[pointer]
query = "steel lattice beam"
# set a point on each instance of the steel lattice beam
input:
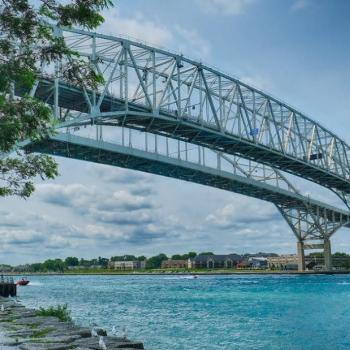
(317, 219)
(159, 87)
(172, 97)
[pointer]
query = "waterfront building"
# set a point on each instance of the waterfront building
(175, 264)
(215, 261)
(243, 264)
(283, 262)
(257, 262)
(127, 265)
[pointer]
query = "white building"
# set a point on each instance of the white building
(127, 265)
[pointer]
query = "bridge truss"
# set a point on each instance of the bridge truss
(166, 114)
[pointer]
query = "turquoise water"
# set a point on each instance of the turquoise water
(211, 312)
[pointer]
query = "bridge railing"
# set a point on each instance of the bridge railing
(163, 86)
(162, 81)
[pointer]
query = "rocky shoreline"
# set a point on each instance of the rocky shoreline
(21, 328)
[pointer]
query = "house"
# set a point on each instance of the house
(175, 264)
(127, 265)
(257, 262)
(283, 262)
(243, 264)
(215, 261)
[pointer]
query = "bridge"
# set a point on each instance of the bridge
(165, 114)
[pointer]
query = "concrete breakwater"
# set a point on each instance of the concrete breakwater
(21, 328)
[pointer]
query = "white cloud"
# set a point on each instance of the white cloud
(258, 82)
(225, 7)
(196, 43)
(125, 215)
(137, 27)
(65, 195)
(155, 33)
(87, 199)
(244, 212)
(118, 176)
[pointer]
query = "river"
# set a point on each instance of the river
(209, 313)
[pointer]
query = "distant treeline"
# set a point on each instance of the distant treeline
(154, 262)
(59, 265)
(338, 259)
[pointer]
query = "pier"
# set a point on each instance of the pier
(8, 287)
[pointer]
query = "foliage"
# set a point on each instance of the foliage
(102, 262)
(316, 254)
(27, 42)
(341, 260)
(155, 262)
(56, 265)
(124, 258)
(71, 261)
(86, 263)
(60, 311)
(100, 265)
(206, 253)
(189, 255)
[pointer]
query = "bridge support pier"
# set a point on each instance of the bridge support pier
(327, 254)
(301, 256)
(313, 230)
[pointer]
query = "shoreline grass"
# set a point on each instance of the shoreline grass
(60, 311)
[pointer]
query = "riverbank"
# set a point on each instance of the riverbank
(176, 272)
(26, 329)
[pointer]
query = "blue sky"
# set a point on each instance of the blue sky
(295, 49)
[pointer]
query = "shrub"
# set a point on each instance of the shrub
(60, 311)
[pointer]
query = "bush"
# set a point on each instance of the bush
(60, 311)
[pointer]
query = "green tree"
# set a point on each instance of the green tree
(53, 265)
(155, 262)
(339, 254)
(316, 255)
(71, 261)
(206, 253)
(177, 257)
(84, 263)
(124, 258)
(184, 256)
(36, 267)
(103, 262)
(28, 41)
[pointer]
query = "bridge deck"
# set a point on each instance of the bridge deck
(139, 117)
(82, 148)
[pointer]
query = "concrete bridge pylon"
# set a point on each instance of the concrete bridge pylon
(327, 253)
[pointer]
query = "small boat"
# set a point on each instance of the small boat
(23, 282)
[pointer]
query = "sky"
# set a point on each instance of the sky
(297, 50)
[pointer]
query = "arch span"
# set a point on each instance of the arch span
(172, 97)
(310, 220)
(155, 90)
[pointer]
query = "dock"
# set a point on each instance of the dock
(8, 287)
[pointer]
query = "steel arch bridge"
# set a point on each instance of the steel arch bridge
(163, 113)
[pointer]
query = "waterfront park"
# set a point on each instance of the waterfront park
(150, 200)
